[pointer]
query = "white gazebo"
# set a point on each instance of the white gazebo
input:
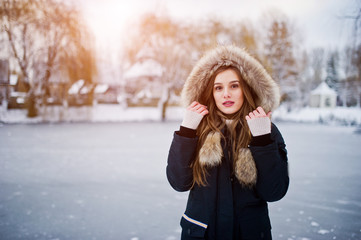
(323, 97)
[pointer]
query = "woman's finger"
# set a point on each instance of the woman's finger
(204, 112)
(192, 105)
(199, 106)
(256, 113)
(261, 111)
(200, 109)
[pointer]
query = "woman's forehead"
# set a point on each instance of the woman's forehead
(226, 76)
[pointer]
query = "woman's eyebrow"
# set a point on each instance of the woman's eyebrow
(234, 81)
(237, 81)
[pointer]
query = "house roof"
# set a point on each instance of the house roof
(147, 67)
(74, 89)
(101, 88)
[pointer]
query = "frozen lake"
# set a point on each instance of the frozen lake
(107, 181)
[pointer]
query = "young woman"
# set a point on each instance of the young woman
(227, 152)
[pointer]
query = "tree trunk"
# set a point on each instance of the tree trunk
(31, 106)
(358, 104)
(163, 102)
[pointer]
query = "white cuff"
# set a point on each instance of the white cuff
(191, 119)
(259, 126)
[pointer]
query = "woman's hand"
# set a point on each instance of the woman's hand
(194, 115)
(259, 122)
(258, 113)
(198, 108)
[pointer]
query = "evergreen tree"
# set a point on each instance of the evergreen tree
(332, 78)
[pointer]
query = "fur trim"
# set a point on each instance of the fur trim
(245, 169)
(251, 70)
(256, 77)
(211, 154)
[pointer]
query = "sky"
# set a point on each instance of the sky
(321, 23)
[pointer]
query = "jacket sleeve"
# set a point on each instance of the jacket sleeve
(180, 157)
(272, 166)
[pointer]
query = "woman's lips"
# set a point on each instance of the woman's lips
(228, 103)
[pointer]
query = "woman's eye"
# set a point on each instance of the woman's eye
(218, 88)
(235, 86)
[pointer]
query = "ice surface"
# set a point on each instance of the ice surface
(117, 113)
(107, 181)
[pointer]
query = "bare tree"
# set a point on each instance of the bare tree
(356, 62)
(164, 43)
(347, 67)
(317, 66)
(279, 52)
(356, 51)
(353, 53)
(357, 55)
(17, 23)
(43, 35)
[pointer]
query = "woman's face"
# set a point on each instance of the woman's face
(227, 92)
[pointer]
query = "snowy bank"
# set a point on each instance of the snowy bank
(97, 113)
(339, 115)
(116, 113)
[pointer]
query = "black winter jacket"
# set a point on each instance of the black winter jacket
(223, 209)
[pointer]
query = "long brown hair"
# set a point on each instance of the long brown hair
(215, 121)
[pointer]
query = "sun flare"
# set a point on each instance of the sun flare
(107, 19)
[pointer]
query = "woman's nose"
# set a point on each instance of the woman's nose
(226, 93)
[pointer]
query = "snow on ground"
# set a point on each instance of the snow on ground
(97, 113)
(116, 113)
(339, 115)
(107, 181)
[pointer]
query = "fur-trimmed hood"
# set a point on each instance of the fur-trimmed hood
(251, 71)
(254, 74)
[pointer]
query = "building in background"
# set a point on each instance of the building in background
(323, 97)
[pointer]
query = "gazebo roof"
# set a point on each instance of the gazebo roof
(323, 89)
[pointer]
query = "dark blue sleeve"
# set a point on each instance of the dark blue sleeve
(180, 157)
(272, 167)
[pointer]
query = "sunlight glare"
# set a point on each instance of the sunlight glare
(107, 19)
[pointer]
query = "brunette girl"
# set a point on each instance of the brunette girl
(227, 152)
